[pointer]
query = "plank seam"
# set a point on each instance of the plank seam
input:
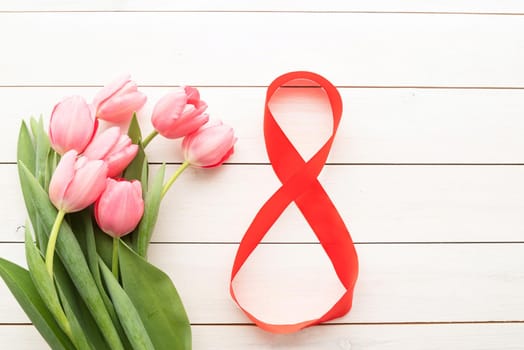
(218, 86)
(466, 13)
(317, 243)
(342, 164)
(408, 323)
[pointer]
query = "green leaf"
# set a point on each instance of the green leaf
(133, 131)
(71, 256)
(42, 148)
(127, 313)
(138, 168)
(44, 283)
(20, 284)
(104, 246)
(85, 330)
(85, 229)
(151, 207)
(81, 340)
(41, 232)
(25, 149)
(144, 177)
(26, 154)
(52, 162)
(156, 300)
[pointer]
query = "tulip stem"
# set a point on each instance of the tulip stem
(114, 267)
(149, 138)
(173, 178)
(50, 252)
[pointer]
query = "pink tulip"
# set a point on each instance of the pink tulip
(118, 100)
(179, 113)
(120, 207)
(209, 146)
(72, 125)
(114, 148)
(77, 182)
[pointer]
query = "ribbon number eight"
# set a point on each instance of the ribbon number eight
(300, 185)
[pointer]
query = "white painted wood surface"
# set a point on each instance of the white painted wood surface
(427, 168)
(252, 48)
(343, 337)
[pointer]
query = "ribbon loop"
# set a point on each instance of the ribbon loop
(300, 185)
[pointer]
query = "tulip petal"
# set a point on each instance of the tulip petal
(72, 125)
(185, 126)
(117, 101)
(209, 146)
(137, 187)
(123, 142)
(62, 178)
(120, 108)
(193, 95)
(103, 143)
(110, 89)
(114, 148)
(127, 216)
(120, 207)
(173, 110)
(87, 185)
(223, 159)
(129, 87)
(117, 162)
(171, 105)
(43, 215)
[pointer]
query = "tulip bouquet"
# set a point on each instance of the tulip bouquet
(92, 209)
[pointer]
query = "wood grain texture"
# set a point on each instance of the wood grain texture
(332, 337)
(426, 169)
(378, 203)
(242, 49)
(397, 282)
(378, 125)
(459, 6)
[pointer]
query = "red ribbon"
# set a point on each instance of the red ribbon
(300, 184)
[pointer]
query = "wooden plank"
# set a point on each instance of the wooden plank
(341, 337)
(378, 126)
(479, 6)
(243, 49)
(398, 283)
(378, 203)
(376, 337)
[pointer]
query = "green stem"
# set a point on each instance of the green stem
(173, 178)
(149, 138)
(114, 267)
(50, 252)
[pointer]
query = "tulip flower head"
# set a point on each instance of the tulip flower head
(179, 113)
(77, 182)
(209, 146)
(118, 100)
(114, 148)
(120, 207)
(72, 125)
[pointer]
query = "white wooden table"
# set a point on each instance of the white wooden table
(427, 168)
